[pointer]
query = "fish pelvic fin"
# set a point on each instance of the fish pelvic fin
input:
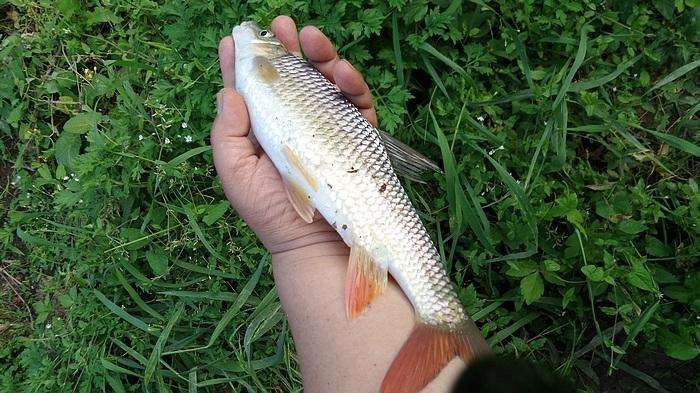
(300, 201)
(365, 280)
(427, 351)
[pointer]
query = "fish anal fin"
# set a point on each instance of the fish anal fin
(296, 163)
(406, 160)
(427, 351)
(300, 201)
(365, 280)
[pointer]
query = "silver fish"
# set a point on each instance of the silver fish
(334, 161)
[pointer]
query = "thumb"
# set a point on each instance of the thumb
(233, 150)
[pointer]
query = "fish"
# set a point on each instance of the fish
(332, 160)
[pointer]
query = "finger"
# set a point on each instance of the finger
(371, 115)
(351, 83)
(226, 61)
(232, 125)
(319, 50)
(285, 30)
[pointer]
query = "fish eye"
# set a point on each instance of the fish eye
(265, 33)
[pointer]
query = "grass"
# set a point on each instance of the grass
(568, 212)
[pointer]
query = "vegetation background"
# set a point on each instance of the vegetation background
(568, 212)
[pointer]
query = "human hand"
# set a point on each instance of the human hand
(249, 178)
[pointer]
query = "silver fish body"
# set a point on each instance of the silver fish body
(356, 189)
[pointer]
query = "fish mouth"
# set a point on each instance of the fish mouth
(248, 26)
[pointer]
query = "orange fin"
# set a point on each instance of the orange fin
(364, 281)
(295, 162)
(427, 351)
(300, 201)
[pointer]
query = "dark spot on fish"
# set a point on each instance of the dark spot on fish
(382, 188)
(344, 227)
(329, 185)
(352, 169)
(334, 225)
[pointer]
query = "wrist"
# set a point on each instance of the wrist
(321, 248)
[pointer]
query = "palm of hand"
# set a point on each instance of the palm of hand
(250, 180)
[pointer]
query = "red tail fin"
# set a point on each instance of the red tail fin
(429, 349)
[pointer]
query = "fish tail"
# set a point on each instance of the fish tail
(427, 351)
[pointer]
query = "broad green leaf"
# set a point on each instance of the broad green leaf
(67, 148)
(82, 123)
(531, 287)
(157, 260)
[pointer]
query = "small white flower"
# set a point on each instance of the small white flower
(77, 179)
(480, 118)
(188, 138)
(614, 88)
(48, 326)
(66, 177)
(634, 76)
(183, 125)
(167, 141)
(72, 175)
(140, 137)
(80, 201)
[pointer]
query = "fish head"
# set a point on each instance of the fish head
(251, 41)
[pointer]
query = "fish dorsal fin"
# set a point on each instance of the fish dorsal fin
(300, 201)
(406, 160)
(365, 281)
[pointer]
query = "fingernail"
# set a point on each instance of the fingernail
(350, 64)
(220, 101)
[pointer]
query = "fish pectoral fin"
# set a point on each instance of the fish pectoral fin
(300, 201)
(298, 166)
(407, 161)
(365, 280)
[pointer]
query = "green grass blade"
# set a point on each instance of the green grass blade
(592, 84)
(200, 234)
(154, 359)
(203, 270)
(135, 296)
(484, 131)
(677, 73)
(118, 369)
(688, 115)
(637, 327)
(578, 60)
(187, 155)
(517, 96)
(460, 209)
(430, 49)
(507, 332)
(486, 311)
(216, 296)
(395, 37)
(238, 303)
(192, 382)
(136, 355)
(120, 312)
(433, 74)
(516, 190)
(678, 143)
(522, 54)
